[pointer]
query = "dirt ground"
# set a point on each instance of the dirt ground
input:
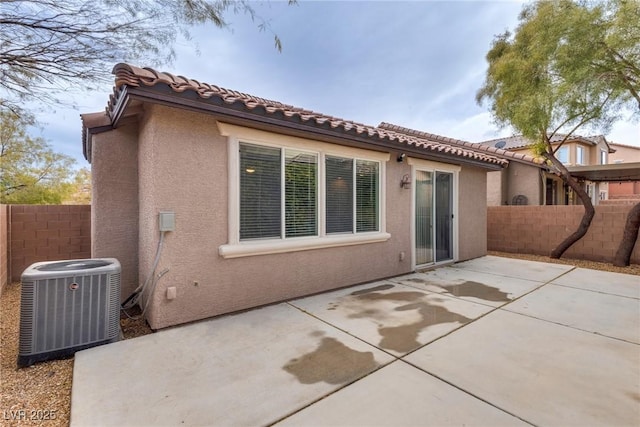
(41, 393)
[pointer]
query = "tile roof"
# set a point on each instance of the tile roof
(128, 76)
(510, 155)
(519, 141)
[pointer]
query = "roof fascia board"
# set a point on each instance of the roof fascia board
(241, 117)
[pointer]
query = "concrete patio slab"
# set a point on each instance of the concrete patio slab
(400, 395)
(391, 316)
(530, 270)
(547, 374)
(247, 369)
(474, 286)
(562, 354)
(610, 315)
(626, 285)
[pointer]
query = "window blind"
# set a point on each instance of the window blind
(301, 172)
(339, 195)
(260, 198)
(366, 195)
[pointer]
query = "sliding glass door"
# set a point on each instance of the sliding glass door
(433, 217)
(444, 216)
(424, 217)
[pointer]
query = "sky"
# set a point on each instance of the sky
(416, 64)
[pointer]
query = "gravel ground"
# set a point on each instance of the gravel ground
(39, 394)
(632, 269)
(43, 390)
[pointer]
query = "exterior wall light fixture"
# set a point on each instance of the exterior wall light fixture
(405, 182)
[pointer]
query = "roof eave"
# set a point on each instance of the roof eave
(258, 117)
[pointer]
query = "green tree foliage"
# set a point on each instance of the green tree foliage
(568, 66)
(80, 188)
(30, 171)
(47, 46)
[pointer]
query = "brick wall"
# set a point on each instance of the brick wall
(47, 233)
(4, 250)
(539, 229)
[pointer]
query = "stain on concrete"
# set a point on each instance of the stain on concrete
(374, 289)
(402, 296)
(477, 290)
(416, 280)
(634, 395)
(404, 338)
(332, 362)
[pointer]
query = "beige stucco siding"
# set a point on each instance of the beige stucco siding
(176, 160)
(472, 212)
(624, 154)
(524, 180)
(183, 168)
(496, 187)
(114, 204)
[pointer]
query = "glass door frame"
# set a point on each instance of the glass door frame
(433, 167)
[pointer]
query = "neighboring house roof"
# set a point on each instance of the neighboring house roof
(134, 84)
(510, 155)
(519, 141)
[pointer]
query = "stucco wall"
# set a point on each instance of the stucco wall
(206, 283)
(524, 180)
(114, 212)
(496, 187)
(472, 212)
(176, 160)
(624, 154)
(517, 179)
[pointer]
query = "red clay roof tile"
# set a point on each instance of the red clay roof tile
(129, 75)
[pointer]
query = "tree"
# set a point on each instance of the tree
(79, 188)
(568, 66)
(49, 45)
(30, 171)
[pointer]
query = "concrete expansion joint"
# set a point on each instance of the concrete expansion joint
(467, 392)
(345, 331)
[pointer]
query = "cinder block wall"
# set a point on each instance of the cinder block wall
(539, 229)
(4, 249)
(47, 233)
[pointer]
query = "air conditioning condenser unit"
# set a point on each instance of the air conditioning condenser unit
(67, 306)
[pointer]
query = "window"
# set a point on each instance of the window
(301, 200)
(260, 205)
(603, 157)
(289, 194)
(563, 154)
(341, 194)
(279, 193)
(580, 155)
(262, 175)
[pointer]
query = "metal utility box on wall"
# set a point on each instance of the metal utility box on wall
(67, 306)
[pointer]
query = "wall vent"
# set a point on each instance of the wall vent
(67, 306)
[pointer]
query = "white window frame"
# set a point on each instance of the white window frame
(603, 157)
(566, 150)
(236, 248)
(580, 159)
